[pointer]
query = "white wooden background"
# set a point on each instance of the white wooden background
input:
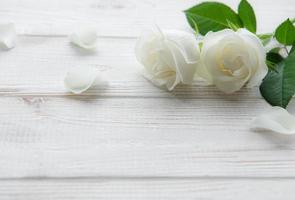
(128, 140)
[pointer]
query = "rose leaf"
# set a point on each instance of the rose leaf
(285, 33)
(247, 15)
(278, 86)
(212, 16)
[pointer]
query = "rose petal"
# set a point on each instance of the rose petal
(170, 57)
(7, 36)
(253, 41)
(84, 37)
(277, 120)
(186, 43)
(80, 79)
(185, 50)
(209, 40)
(169, 82)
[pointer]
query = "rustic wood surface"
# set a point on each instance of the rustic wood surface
(127, 139)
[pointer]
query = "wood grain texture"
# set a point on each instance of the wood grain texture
(127, 138)
(173, 137)
(120, 17)
(204, 189)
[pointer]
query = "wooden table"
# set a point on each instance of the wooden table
(129, 140)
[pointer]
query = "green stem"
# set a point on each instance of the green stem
(265, 38)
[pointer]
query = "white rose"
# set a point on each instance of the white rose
(170, 57)
(232, 59)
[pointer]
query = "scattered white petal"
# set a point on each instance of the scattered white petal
(80, 79)
(7, 36)
(277, 120)
(84, 37)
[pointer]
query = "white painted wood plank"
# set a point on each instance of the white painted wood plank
(37, 66)
(173, 137)
(120, 17)
(41, 62)
(189, 189)
(129, 128)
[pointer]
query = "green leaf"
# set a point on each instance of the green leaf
(232, 25)
(276, 50)
(292, 49)
(211, 16)
(265, 38)
(273, 59)
(278, 87)
(247, 15)
(285, 33)
(196, 29)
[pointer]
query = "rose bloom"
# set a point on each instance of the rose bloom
(169, 57)
(232, 59)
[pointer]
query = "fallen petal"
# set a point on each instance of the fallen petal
(84, 37)
(277, 120)
(7, 36)
(80, 79)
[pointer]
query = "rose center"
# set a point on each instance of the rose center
(229, 67)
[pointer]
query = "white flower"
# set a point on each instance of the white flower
(80, 79)
(84, 37)
(277, 119)
(232, 59)
(169, 57)
(7, 36)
